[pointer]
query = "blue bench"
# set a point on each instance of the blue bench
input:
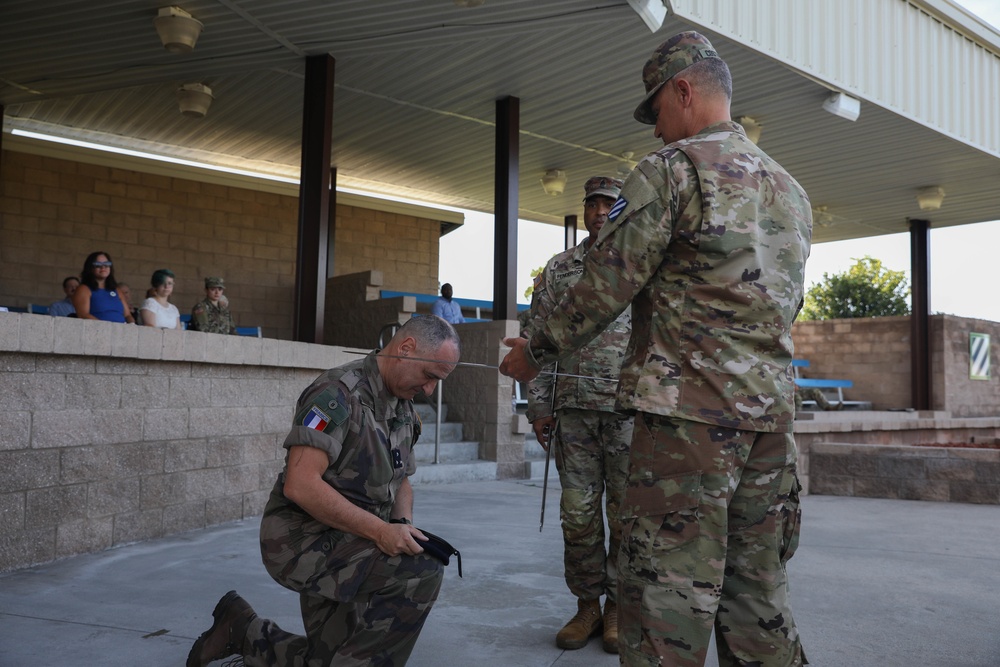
(38, 309)
(821, 383)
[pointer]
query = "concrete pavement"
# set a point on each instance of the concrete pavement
(884, 583)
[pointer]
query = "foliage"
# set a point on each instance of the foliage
(867, 289)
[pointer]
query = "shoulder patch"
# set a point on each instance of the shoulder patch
(618, 207)
(323, 411)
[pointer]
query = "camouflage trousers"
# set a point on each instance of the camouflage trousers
(591, 452)
(359, 606)
(711, 515)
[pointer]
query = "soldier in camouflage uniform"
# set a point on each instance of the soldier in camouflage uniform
(591, 439)
(211, 314)
(337, 528)
(708, 242)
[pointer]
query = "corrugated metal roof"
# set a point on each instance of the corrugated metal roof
(417, 83)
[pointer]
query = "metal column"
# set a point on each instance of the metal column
(314, 200)
(505, 204)
(569, 223)
(920, 351)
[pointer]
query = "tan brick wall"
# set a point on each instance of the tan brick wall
(55, 212)
(875, 354)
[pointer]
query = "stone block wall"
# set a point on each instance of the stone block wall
(910, 473)
(875, 354)
(55, 212)
(114, 433)
(356, 313)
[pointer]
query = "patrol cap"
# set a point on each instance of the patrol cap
(604, 186)
(214, 282)
(669, 59)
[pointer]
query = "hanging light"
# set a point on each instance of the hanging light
(194, 99)
(930, 198)
(554, 182)
(751, 127)
(177, 29)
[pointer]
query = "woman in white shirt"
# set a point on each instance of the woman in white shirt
(157, 311)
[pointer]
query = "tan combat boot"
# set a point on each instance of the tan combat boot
(232, 618)
(587, 622)
(610, 627)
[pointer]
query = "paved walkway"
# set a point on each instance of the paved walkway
(876, 583)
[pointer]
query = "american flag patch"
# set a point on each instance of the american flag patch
(316, 419)
(617, 209)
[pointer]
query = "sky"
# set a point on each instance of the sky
(962, 275)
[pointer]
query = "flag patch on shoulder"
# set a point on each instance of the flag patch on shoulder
(617, 209)
(316, 419)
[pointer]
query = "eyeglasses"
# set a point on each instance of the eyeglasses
(100, 264)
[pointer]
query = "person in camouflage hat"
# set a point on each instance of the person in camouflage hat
(211, 314)
(590, 439)
(708, 243)
(337, 528)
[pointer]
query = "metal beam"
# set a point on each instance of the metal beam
(569, 223)
(506, 204)
(331, 243)
(920, 351)
(314, 200)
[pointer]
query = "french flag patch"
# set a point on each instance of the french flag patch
(316, 419)
(617, 209)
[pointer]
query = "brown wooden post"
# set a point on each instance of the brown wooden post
(314, 200)
(506, 206)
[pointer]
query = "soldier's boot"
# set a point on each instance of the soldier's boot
(581, 627)
(610, 627)
(232, 618)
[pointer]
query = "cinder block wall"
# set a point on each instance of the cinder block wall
(875, 354)
(55, 212)
(114, 433)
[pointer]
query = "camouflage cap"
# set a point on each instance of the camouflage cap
(214, 282)
(604, 186)
(669, 59)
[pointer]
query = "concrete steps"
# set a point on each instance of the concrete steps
(459, 458)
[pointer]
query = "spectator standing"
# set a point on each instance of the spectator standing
(337, 528)
(157, 311)
(64, 307)
(447, 308)
(97, 297)
(708, 242)
(212, 314)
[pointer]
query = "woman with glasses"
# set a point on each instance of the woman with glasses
(97, 297)
(157, 311)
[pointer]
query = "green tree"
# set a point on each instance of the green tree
(867, 289)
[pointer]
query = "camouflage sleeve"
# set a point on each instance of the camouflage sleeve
(323, 419)
(543, 302)
(199, 318)
(232, 322)
(627, 253)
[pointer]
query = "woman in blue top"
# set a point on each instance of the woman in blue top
(96, 298)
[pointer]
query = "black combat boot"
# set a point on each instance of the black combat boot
(232, 618)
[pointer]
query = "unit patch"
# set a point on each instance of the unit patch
(617, 209)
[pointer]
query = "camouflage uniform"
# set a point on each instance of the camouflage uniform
(212, 318)
(708, 242)
(591, 440)
(359, 605)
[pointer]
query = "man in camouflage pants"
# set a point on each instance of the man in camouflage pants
(337, 529)
(708, 242)
(590, 439)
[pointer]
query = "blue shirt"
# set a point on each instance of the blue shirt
(449, 311)
(106, 305)
(62, 308)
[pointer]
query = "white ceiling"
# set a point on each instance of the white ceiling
(416, 87)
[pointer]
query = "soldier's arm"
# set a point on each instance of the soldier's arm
(304, 485)
(199, 318)
(540, 390)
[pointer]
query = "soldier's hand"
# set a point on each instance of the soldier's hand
(400, 538)
(515, 364)
(543, 427)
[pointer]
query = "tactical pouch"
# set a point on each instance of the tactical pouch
(437, 547)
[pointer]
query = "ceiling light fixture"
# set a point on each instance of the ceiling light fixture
(177, 29)
(554, 182)
(843, 105)
(751, 127)
(652, 12)
(194, 99)
(930, 198)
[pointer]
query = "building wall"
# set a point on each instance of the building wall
(875, 354)
(56, 211)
